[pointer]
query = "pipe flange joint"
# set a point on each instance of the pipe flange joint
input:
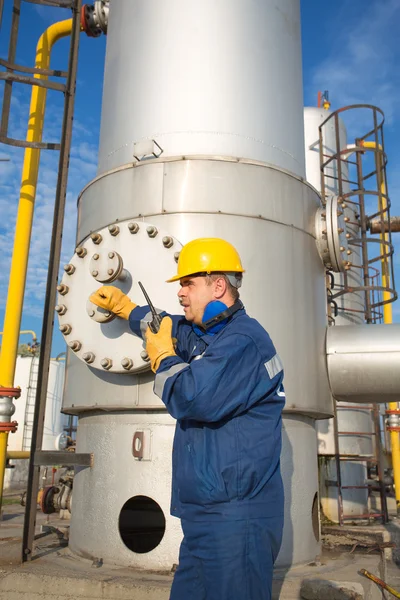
(8, 427)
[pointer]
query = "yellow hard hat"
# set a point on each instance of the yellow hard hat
(207, 255)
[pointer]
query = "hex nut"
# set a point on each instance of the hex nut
(89, 357)
(144, 356)
(152, 231)
(127, 363)
(62, 289)
(94, 273)
(69, 269)
(75, 345)
(96, 238)
(65, 329)
(113, 229)
(61, 309)
(80, 251)
(168, 241)
(176, 256)
(106, 363)
(133, 227)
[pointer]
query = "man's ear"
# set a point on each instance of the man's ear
(219, 287)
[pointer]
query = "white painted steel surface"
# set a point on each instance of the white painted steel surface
(53, 423)
(215, 78)
(364, 363)
(218, 86)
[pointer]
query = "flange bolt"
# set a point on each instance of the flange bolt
(127, 363)
(176, 256)
(96, 238)
(69, 269)
(65, 329)
(62, 289)
(81, 252)
(144, 356)
(106, 363)
(168, 241)
(75, 345)
(133, 227)
(61, 309)
(94, 273)
(113, 229)
(89, 357)
(111, 254)
(152, 231)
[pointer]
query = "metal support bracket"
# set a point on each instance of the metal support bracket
(48, 458)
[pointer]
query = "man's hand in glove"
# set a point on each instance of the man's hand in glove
(160, 345)
(111, 298)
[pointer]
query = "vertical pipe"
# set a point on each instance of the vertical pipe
(23, 228)
(50, 297)
(387, 313)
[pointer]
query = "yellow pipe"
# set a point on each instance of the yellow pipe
(26, 332)
(23, 227)
(3, 450)
(18, 454)
(388, 319)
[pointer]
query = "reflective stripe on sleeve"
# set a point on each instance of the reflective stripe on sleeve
(161, 378)
(274, 366)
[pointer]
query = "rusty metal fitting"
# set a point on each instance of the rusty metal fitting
(12, 392)
(10, 427)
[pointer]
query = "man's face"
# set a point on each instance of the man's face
(194, 296)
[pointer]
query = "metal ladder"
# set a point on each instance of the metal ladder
(30, 404)
(370, 460)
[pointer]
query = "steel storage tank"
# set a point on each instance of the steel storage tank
(195, 141)
(350, 312)
(26, 374)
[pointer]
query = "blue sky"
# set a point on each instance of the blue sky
(350, 47)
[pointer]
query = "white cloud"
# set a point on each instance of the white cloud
(362, 63)
(83, 164)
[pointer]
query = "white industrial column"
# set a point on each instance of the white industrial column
(201, 135)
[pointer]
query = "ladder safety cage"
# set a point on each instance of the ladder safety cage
(358, 173)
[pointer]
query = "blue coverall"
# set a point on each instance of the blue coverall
(226, 393)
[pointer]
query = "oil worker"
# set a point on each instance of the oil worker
(218, 374)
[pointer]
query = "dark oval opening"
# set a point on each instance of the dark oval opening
(141, 524)
(315, 517)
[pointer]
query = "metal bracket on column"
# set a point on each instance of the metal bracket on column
(47, 458)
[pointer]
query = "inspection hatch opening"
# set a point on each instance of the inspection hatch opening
(141, 524)
(315, 517)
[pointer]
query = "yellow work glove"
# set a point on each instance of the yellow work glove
(160, 345)
(111, 298)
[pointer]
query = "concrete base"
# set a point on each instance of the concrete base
(55, 573)
(59, 575)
